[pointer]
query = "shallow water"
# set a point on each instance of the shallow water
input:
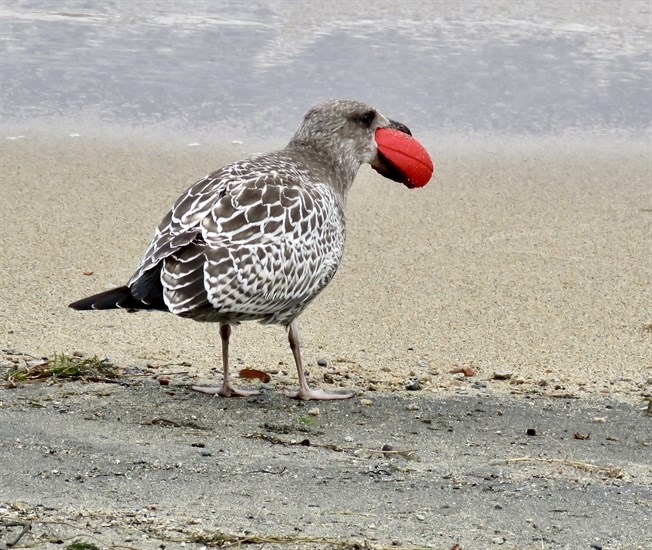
(230, 67)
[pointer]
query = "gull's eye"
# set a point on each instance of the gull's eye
(367, 118)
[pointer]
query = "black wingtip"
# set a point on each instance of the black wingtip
(116, 298)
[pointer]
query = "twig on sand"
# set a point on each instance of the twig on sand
(223, 540)
(609, 471)
(407, 454)
(26, 525)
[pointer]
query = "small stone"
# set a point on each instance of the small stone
(366, 402)
(531, 432)
(458, 376)
(322, 362)
(420, 517)
(466, 370)
(206, 453)
(599, 420)
(502, 375)
(164, 380)
(498, 540)
(387, 447)
(413, 385)
(411, 407)
(518, 381)
(314, 411)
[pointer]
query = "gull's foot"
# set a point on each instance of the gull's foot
(318, 395)
(226, 391)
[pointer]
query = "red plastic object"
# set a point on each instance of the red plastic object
(406, 154)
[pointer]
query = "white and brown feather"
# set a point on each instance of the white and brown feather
(256, 240)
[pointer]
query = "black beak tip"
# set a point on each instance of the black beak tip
(400, 127)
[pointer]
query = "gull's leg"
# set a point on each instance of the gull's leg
(226, 389)
(305, 392)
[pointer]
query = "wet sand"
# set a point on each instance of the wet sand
(140, 466)
(531, 259)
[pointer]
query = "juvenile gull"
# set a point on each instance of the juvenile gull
(259, 239)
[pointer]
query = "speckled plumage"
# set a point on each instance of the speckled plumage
(259, 239)
(255, 240)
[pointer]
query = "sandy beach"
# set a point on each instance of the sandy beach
(525, 263)
(528, 259)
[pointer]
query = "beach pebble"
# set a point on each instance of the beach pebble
(413, 385)
(314, 411)
(322, 362)
(466, 370)
(411, 407)
(365, 402)
(502, 375)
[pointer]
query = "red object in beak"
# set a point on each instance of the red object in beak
(406, 155)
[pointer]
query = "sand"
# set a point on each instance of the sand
(527, 258)
(530, 257)
(140, 466)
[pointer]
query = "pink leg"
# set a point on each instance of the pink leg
(305, 392)
(226, 389)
